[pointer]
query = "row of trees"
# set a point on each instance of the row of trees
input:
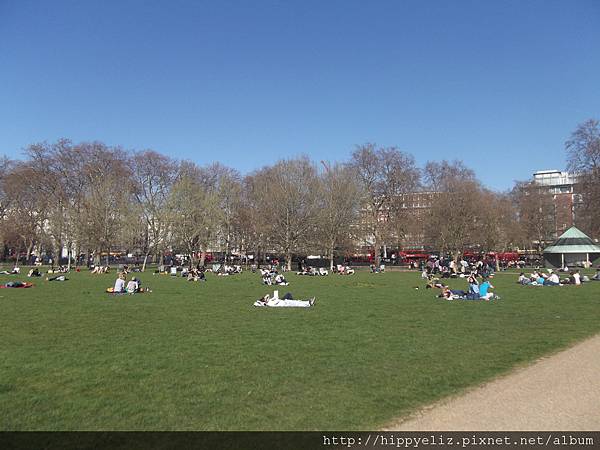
(92, 199)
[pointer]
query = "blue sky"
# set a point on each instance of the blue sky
(499, 85)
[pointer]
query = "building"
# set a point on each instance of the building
(407, 232)
(562, 187)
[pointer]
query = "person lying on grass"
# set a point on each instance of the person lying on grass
(16, 284)
(286, 302)
(452, 294)
(14, 271)
(57, 278)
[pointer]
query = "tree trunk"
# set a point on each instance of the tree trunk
(57, 250)
(376, 255)
(288, 260)
(29, 250)
(145, 261)
(17, 256)
(331, 249)
(69, 253)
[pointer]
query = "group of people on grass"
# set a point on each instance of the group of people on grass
(461, 268)
(133, 286)
(377, 269)
(344, 269)
(476, 289)
(539, 278)
(194, 274)
(272, 277)
(100, 269)
(313, 272)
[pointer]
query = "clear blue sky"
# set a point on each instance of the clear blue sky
(498, 84)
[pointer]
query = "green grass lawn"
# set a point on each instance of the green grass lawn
(199, 356)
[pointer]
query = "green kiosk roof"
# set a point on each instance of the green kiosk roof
(573, 241)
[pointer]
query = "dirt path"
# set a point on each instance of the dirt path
(559, 392)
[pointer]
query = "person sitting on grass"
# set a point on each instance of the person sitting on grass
(597, 276)
(473, 292)
(484, 288)
(196, 275)
(523, 279)
(286, 302)
(34, 273)
(345, 270)
(192, 275)
(133, 286)
(552, 280)
(374, 268)
(433, 282)
(537, 279)
(119, 284)
(280, 280)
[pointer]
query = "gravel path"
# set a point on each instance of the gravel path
(559, 392)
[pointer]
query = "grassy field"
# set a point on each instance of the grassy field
(198, 356)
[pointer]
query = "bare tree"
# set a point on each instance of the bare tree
(106, 194)
(28, 210)
(195, 212)
(583, 155)
(338, 207)
(5, 169)
(384, 174)
(153, 178)
(286, 195)
(225, 183)
(497, 227)
(252, 223)
(453, 218)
